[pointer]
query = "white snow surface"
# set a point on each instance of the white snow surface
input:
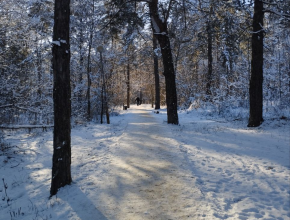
(139, 167)
(56, 42)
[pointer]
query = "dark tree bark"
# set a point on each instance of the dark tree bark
(102, 105)
(156, 74)
(210, 59)
(80, 77)
(209, 55)
(89, 77)
(61, 161)
(256, 80)
(161, 33)
(39, 71)
(128, 85)
(89, 68)
(104, 89)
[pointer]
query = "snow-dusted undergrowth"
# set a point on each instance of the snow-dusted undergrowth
(141, 168)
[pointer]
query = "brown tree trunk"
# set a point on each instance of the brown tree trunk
(128, 85)
(102, 105)
(209, 55)
(39, 71)
(80, 78)
(107, 114)
(61, 161)
(89, 78)
(104, 90)
(256, 80)
(161, 33)
(156, 75)
(89, 69)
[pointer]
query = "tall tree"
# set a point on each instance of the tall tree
(61, 161)
(256, 80)
(160, 31)
(89, 66)
(209, 53)
(159, 14)
(156, 74)
(128, 84)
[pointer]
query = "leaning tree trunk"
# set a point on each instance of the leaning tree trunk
(256, 80)
(61, 161)
(156, 74)
(161, 33)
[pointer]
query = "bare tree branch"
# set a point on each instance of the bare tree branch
(168, 10)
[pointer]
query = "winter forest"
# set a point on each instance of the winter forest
(211, 46)
(72, 70)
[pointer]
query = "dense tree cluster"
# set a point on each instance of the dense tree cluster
(209, 41)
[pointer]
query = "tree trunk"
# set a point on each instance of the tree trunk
(102, 105)
(160, 31)
(89, 66)
(39, 70)
(141, 96)
(80, 77)
(61, 160)
(152, 96)
(104, 90)
(128, 85)
(107, 114)
(156, 74)
(210, 58)
(256, 80)
(89, 78)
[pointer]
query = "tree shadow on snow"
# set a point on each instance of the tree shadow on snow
(80, 204)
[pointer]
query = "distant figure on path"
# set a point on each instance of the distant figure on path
(138, 101)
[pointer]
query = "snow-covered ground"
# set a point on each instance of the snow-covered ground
(139, 167)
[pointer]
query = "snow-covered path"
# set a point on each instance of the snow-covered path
(147, 176)
(139, 167)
